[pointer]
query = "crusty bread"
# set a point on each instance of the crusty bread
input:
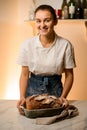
(42, 101)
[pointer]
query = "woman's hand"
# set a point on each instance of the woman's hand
(21, 102)
(64, 101)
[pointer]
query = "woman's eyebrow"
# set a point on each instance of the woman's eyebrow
(44, 18)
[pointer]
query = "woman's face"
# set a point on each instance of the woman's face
(44, 22)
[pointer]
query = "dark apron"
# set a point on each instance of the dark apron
(38, 84)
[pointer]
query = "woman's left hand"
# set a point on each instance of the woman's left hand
(64, 101)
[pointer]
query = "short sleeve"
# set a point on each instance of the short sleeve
(69, 58)
(23, 55)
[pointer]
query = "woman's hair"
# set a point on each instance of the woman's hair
(47, 7)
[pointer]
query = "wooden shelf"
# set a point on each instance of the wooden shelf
(72, 20)
(75, 20)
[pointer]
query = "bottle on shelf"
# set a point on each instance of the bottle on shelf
(78, 10)
(64, 8)
(59, 13)
(84, 9)
(71, 5)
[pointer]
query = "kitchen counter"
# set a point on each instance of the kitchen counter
(10, 119)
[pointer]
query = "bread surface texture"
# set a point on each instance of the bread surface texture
(42, 101)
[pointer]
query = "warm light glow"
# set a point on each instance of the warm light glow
(12, 88)
(12, 91)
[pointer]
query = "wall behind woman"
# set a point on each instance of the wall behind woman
(14, 29)
(55, 4)
(76, 32)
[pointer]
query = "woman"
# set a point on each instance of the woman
(44, 58)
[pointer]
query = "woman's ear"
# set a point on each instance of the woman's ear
(55, 22)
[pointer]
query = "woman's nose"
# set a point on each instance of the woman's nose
(42, 24)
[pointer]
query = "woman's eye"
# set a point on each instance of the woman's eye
(37, 21)
(47, 20)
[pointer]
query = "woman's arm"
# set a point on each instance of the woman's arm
(23, 83)
(69, 77)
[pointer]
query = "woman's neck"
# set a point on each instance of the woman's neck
(47, 40)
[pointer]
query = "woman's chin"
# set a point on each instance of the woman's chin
(44, 33)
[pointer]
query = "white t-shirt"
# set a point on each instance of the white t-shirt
(47, 61)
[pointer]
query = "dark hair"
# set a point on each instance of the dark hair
(49, 8)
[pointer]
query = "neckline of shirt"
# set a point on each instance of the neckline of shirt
(39, 44)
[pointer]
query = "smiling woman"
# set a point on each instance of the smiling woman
(44, 58)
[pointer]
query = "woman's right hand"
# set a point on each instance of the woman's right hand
(21, 102)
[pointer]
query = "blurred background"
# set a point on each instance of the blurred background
(15, 28)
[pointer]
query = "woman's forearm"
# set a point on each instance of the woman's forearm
(23, 85)
(68, 83)
(23, 82)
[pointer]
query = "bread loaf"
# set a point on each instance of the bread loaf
(42, 101)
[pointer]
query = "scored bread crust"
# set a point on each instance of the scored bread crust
(42, 101)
